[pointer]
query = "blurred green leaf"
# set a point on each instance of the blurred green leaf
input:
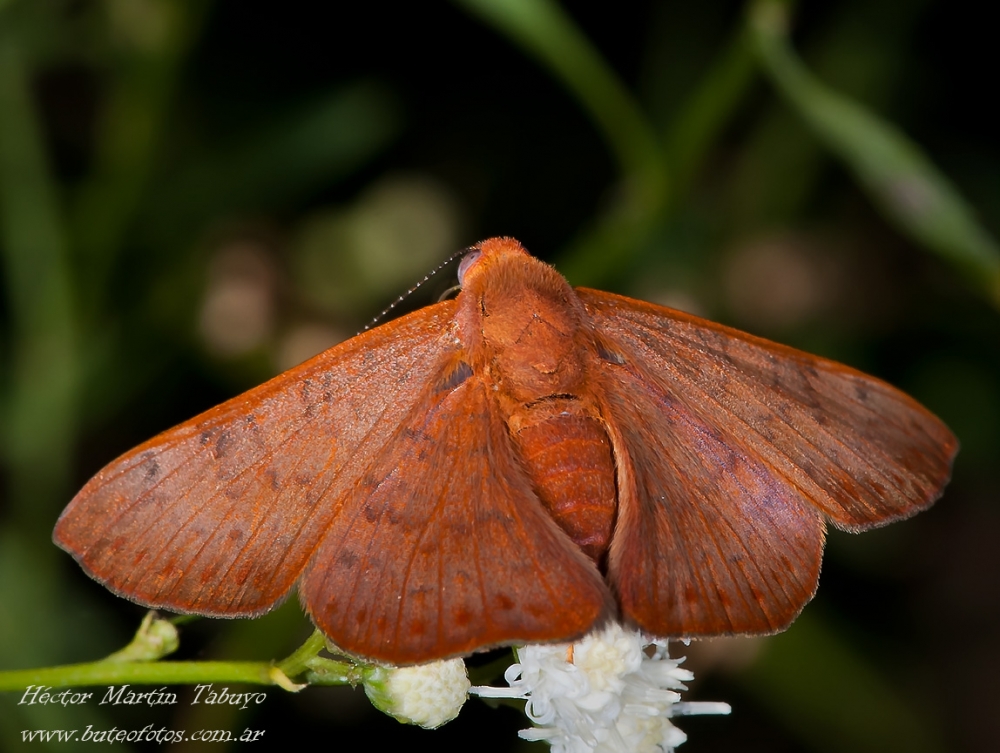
(39, 415)
(710, 108)
(314, 146)
(850, 708)
(911, 192)
(151, 40)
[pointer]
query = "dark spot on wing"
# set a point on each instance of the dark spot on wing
(272, 479)
(347, 559)
(305, 389)
(503, 602)
(861, 391)
(417, 627)
(152, 466)
(223, 444)
(426, 589)
(462, 617)
(610, 356)
(458, 375)
(393, 515)
(417, 435)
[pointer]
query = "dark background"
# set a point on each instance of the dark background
(195, 196)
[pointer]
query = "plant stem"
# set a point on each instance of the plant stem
(142, 673)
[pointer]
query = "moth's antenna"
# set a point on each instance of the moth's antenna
(411, 291)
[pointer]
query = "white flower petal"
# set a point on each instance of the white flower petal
(604, 694)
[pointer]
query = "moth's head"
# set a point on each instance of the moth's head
(516, 314)
(486, 255)
(499, 277)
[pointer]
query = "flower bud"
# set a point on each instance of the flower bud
(428, 695)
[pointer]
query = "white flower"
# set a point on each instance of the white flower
(427, 695)
(607, 693)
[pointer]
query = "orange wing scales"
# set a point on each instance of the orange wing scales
(708, 541)
(733, 449)
(459, 556)
(219, 515)
(862, 451)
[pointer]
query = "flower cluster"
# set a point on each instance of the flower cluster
(613, 691)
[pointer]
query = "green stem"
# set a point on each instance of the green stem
(111, 671)
(704, 115)
(140, 673)
(298, 661)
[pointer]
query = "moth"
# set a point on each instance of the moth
(516, 465)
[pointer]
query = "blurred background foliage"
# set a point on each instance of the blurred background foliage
(196, 195)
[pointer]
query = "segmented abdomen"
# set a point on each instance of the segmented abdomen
(569, 459)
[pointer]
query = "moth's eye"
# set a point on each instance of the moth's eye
(466, 264)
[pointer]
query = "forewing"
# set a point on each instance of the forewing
(220, 514)
(732, 449)
(443, 548)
